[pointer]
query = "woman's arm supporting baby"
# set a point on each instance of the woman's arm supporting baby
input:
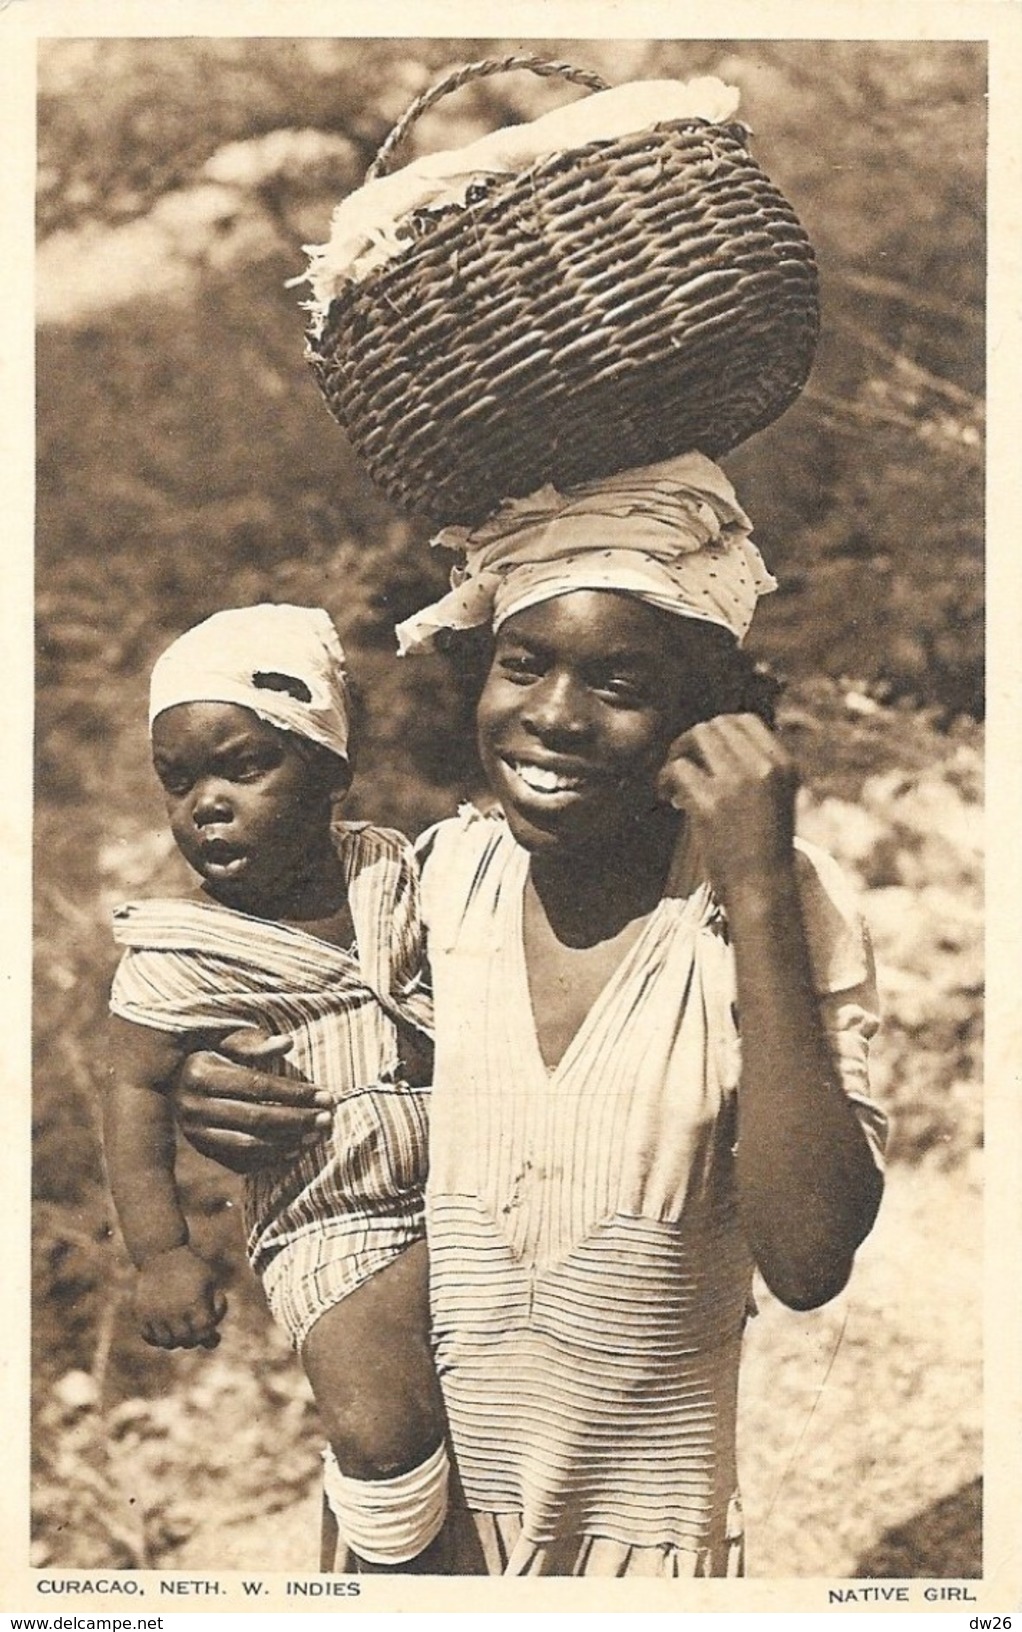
(243, 1117)
(239, 1115)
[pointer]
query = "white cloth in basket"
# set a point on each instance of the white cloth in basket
(364, 231)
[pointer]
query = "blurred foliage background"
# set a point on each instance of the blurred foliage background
(186, 462)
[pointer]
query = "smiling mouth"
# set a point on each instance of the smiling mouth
(544, 781)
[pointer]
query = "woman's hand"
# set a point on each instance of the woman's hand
(243, 1117)
(735, 783)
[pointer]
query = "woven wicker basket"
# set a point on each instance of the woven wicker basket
(612, 306)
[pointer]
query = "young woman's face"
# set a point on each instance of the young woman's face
(248, 809)
(584, 696)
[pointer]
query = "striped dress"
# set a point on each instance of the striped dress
(589, 1277)
(324, 1220)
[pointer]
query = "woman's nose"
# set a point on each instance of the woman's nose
(555, 709)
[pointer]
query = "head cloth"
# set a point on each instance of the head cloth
(285, 663)
(672, 534)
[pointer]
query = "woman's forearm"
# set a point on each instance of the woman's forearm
(807, 1183)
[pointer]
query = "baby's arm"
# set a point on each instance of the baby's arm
(176, 1296)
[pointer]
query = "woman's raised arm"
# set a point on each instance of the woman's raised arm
(808, 1185)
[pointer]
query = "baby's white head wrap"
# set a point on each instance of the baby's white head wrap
(285, 663)
(672, 534)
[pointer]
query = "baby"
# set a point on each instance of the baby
(308, 929)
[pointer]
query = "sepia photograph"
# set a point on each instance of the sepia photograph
(510, 697)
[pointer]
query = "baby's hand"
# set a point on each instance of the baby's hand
(178, 1302)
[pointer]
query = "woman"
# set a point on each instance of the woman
(611, 1155)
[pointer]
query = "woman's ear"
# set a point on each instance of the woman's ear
(710, 673)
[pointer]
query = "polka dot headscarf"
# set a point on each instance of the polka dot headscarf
(672, 534)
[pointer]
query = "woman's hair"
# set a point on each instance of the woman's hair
(726, 680)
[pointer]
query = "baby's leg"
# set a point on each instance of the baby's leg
(370, 1365)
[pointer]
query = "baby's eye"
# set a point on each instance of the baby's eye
(175, 783)
(247, 770)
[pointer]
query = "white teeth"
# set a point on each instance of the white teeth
(541, 780)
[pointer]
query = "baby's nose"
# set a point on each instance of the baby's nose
(211, 805)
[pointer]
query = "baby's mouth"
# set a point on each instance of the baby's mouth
(220, 859)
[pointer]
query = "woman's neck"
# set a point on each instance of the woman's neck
(590, 895)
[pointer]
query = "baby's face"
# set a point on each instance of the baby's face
(249, 810)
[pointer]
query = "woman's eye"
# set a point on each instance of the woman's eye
(519, 668)
(620, 689)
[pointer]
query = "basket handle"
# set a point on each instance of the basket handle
(385, 161)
